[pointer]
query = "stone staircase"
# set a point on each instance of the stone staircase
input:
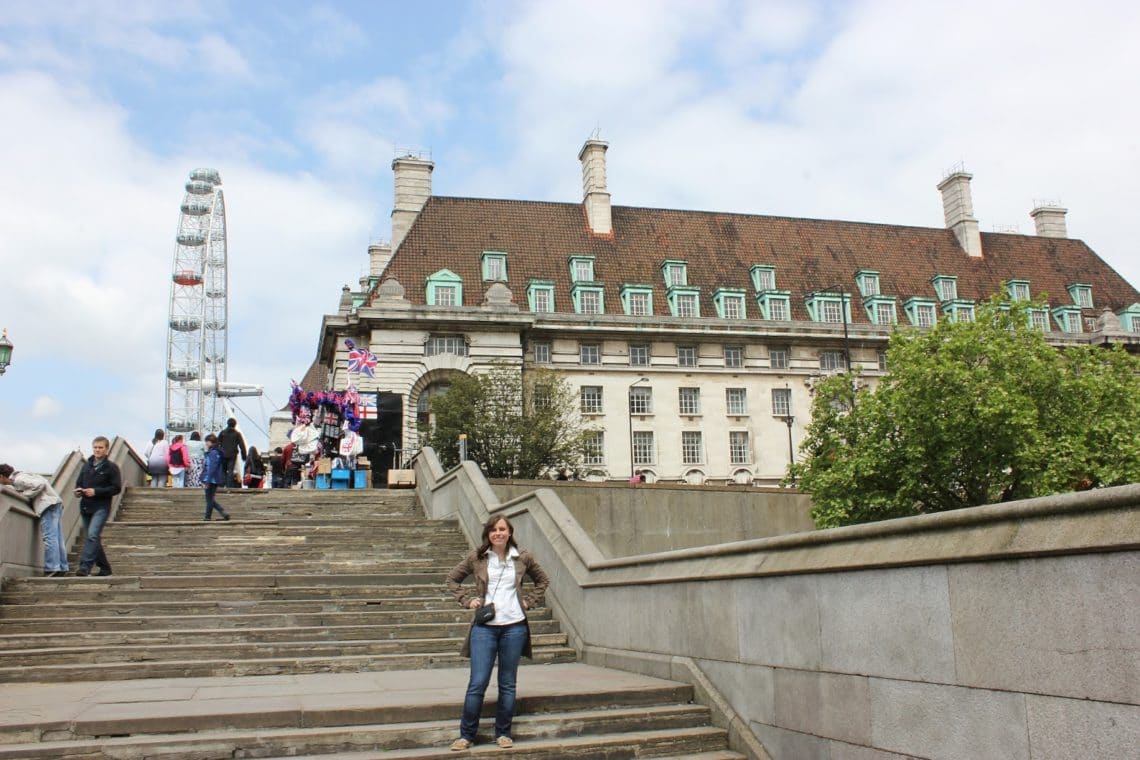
(335, 594)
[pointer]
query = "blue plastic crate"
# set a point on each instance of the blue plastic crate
(340, 485)
(341, 474)
(323, 481)
(360, 478)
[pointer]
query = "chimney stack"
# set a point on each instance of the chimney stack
(413, 188)
(379, 254)
(958, 206)
(596, 199)
(1049, 217)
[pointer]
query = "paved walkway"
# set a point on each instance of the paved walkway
(102, 708)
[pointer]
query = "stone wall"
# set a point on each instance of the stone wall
(1008, 631)
(625, 520)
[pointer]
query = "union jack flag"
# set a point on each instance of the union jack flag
(366, 409)
(360, 360)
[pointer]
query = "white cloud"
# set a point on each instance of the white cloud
(331, 33)
(222, 58)
(46, 406)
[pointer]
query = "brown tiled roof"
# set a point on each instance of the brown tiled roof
(721, 249)
(316, 377)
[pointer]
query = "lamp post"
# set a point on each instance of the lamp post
(5, 351)
(629, 407)
(838, 290)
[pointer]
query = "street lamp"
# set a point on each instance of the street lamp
(5, 351)
(629, 406)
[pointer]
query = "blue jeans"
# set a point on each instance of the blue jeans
(211, 502)
(488, 642)
(93, 546)
(55, 550)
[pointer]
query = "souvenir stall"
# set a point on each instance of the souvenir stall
(325, 439)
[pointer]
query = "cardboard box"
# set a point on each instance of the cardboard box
(401, 478)
(324, 466)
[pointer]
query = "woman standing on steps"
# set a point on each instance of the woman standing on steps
(498, 567)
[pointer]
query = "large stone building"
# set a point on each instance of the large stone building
(694, 337)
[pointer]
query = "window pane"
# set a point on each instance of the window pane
(733, 307)
(583, 271)
(831, 311)
(782, 402)
(686, 305)
(642, 447)
(686, 356)
(639, 304)
(445, 344)
(691, 449)
(736, 401)
(595, 447)
(765, 279)
(591, 399)
(831, 361)
(641, 400)
(444, 295)
(676, 274)
(733, 356)
(591, 301)
(924, 315)
(738, 449)
(689, 400)
(543, 300)
(590, 353)
(495, 268)
(639, 354)
(542, 353)
(779, 358)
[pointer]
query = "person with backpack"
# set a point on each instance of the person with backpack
(177, 460)
(254, 469)
(155, 456)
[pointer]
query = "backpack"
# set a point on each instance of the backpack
(176, 458)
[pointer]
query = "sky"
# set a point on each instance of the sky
(836, 110)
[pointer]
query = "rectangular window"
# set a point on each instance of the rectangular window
(778, 309)
(924, 315)
(640, 400)
(738, 448)
(591, 302)
(764, 279)
(543, 300)
(686, 305)
(445, 344)
(1039, 319)
(590, 353)
(591, 399)
(778, 357)
(868, 283)
(689, 400)
(639, 354)
(964, 314)
(595, 446)
(583, 270)
(734, 357)
(691, 448)
(947, 288)
(1018, 290)
(1084, 298)
(445, 295)
(782, 402)
(541, 353)
(882, 361)
(643, 447)
(686, 356)
(831, 361)
(831, 311)
(884, 313)
(675, 274)
(494, 267)
(639, 304)
(736, 400)
(734, 307)
(543, 396)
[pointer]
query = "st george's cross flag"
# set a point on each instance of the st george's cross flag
(366, 409)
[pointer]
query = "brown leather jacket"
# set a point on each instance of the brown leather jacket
(475, 565)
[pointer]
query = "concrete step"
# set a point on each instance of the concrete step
(87, 593)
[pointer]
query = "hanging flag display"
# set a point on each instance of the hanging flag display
(366, 409)
(361, 361)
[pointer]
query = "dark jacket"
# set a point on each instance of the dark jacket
(475, 565)
(231, 442)
(105, 478)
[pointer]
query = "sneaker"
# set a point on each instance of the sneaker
(460, 744)
(505, 742)
(226, 517)
(102, 574)
(82, 573)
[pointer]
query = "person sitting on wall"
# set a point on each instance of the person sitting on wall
(49, 509)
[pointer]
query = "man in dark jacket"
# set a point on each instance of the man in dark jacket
(99, 481)
(230, 442)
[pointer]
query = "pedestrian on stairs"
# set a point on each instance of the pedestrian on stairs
(99, 481)
(231, 443)
(498, 567)
(212, 477)
(48, 508)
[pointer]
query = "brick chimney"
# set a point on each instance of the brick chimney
(958, 206)
(413, 188)
(1049, 217)
(596, 200)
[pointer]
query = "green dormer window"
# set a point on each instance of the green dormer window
(588, 299)
(920, 312)
(540, 296)
(958, 310)
(444, 288)
(945, 287)
(829, 307)
(494, 266)
(1018, 290)
(676, 273)
(763, 277)
(880, 310)
(1130, 318)
(1039, 319)
(684, 302)
(868, 282)
(775, 305)
(581, 268)
(1068, 318)
(1082, 295)
(637, 300)
(729, 303)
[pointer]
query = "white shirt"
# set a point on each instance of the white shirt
(502, 588)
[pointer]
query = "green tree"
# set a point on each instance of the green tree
(516, 425)
(971, 413)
